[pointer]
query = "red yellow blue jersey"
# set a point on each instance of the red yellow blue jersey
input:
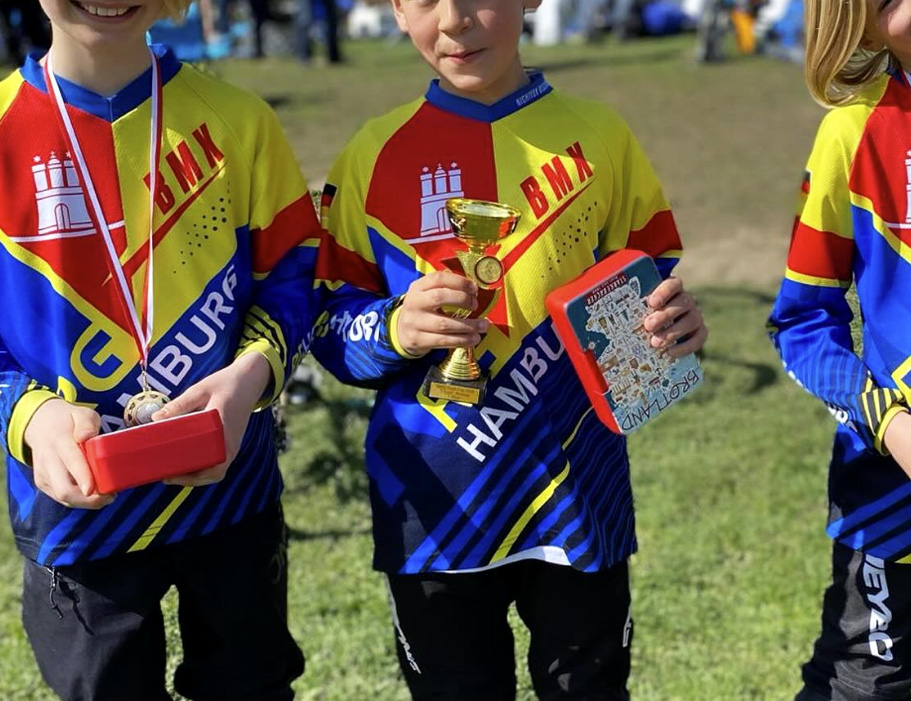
(530, 472)
(235, 240)
(854, 227)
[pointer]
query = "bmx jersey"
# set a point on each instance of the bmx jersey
(234, 253)
(854, 226)
(531, 472)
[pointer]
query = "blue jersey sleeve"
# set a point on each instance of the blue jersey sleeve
(352, 336)
(20, 397)
(285, 236)
(810, 323)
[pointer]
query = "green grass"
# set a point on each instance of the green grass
(730, 486)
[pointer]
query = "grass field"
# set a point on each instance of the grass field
(730, 486)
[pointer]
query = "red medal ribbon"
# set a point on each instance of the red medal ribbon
(142, 333)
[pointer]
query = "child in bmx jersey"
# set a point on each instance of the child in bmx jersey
(194, 283)
(525, 497)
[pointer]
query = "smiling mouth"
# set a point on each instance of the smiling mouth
(106, 11)
(463, 56)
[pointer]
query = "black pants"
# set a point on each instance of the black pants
(864, 650)
(454, 642)
(98, 633)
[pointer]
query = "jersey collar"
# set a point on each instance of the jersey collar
(524, 96)
(112, 107)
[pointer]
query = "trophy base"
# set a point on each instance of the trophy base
(438, 386)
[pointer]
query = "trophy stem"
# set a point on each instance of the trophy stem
(457, 379)
(460, 364)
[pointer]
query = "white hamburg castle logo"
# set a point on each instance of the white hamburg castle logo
(62, 210)
(436, 188)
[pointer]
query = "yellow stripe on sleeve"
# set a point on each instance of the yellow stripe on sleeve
(815, 281)
(893, 411)
(23, 412)
(275, 362)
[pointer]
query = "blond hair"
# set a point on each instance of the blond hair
(176, 9)
(837, 63)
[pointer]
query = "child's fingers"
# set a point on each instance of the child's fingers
(194, 399)
(45, 464)
(665, 292)
(95, 501)
(428, 342)
(431, 331)
(74, 460)
(61, 486)
(445, 279)
(202, 478)
(86, 424)
(448, 325)
(667, 315)
(682, 326)
(435, 298)
(689, 345)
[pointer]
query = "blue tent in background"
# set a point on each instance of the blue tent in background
(789, 29)
(663, 17)
(186, 39)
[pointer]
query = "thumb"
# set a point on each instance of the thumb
(86, 424)
(195, 398)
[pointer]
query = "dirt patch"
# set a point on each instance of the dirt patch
(742, 256)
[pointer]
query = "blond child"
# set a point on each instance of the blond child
(852, 227)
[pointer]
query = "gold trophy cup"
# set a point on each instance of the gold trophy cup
(478, 224)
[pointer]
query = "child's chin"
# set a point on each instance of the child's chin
(101, 38)
(469, 85)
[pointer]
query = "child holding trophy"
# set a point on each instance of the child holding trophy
(511, 490)
(852, 228)
(160, 244)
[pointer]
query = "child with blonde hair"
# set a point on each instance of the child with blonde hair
(854, 226)
(160, 243)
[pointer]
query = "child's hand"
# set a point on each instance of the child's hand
(59, 466)
(897, 440)
(674, 317)
(423, 326)
(234, 391)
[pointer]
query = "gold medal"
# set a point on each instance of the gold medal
(488, 270)
(141, 406)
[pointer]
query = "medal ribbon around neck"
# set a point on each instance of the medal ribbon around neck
(142, 334)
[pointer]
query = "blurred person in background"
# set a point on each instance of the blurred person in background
(193, 37)
(779, 29)
(319, 18)
(260, 12)
(625, 18)
(24, 25)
